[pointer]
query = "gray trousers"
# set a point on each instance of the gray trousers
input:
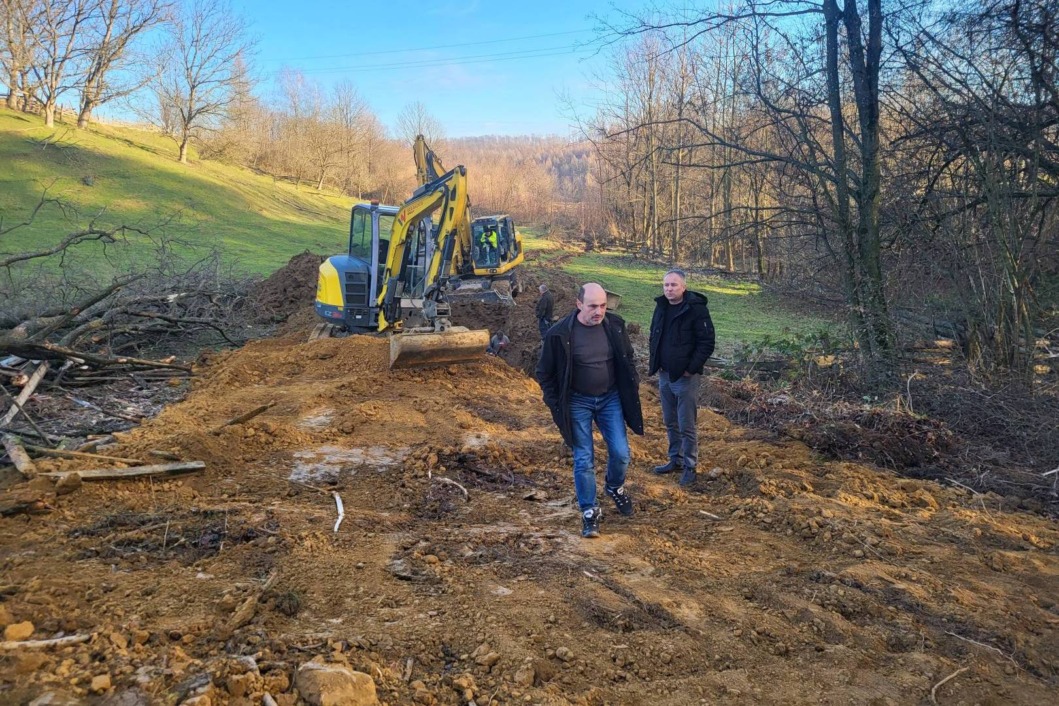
(679, 412)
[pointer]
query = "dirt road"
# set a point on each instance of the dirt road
(458, 571)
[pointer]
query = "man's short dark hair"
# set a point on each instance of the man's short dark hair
(679, 273)
(581, 294)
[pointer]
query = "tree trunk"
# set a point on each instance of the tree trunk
(759, 245)
(184, 149)
(85, 114)
(49, 114)
(850, 274)
(864, 63)
(12, 90)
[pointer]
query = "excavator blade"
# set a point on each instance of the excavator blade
(456, 345)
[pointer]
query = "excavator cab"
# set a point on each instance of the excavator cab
(495, 243)
(349, 284)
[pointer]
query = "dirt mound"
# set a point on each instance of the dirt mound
(457, 571)
(520, 322)
(962, 440)
(288, 290)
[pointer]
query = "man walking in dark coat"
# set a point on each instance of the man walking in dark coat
(545, 307)
(682, 340)
(587, 373)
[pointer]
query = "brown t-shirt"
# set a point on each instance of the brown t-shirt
(593, 372)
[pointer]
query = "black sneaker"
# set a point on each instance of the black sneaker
(590, 522)
(621, 500)
(670, 467)
(688, 477)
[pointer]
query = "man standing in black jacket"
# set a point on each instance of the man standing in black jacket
(682, 340)
(545, 305)
(587, 374)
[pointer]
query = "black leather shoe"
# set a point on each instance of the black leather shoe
(665, 468)
(688, 477)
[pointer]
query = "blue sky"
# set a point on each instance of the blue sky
(479, 67)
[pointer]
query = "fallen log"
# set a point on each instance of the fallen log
(18, 456)
(62, 453)
(27, 391)
(25, 414)
(163, 469)
(56, 352)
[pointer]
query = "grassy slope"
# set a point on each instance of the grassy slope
(127, 176)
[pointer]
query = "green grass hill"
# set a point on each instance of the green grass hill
(123, 176)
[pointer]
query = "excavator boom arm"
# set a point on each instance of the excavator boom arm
(449, 193)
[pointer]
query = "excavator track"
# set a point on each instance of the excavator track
(322, 330)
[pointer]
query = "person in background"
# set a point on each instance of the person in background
(498, 343)
(682, 340)
(587, 374)
(545, 308)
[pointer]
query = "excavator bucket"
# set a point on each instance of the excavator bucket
(482, 290)
(456, 345)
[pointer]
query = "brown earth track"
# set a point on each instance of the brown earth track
(822, 582)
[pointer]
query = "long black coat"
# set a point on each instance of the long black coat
(555, 371)
(692, 337)
(545, 305)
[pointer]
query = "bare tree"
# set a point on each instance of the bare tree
(981, 156)
(206, 69)
(415, 119)
(115, 26)
(16, 46)
(57, 37)
(812, 69)
(346, 114)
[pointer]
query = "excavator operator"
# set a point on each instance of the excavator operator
(488, 246)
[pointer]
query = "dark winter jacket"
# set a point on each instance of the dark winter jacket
(555, 371)
(544, 306)
(692, 337)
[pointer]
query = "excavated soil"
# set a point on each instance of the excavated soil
(458, 569)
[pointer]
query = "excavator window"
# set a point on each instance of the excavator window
(360, 234)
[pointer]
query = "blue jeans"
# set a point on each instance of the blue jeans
(679, 412)
(606, 411)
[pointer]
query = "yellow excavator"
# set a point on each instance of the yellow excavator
(396, 275)
(489, 249)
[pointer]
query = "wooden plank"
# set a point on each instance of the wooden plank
(19, 457)
(163, 469)
(63, 453)
(27, 391)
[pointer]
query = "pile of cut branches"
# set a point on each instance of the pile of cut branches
(66, 332)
